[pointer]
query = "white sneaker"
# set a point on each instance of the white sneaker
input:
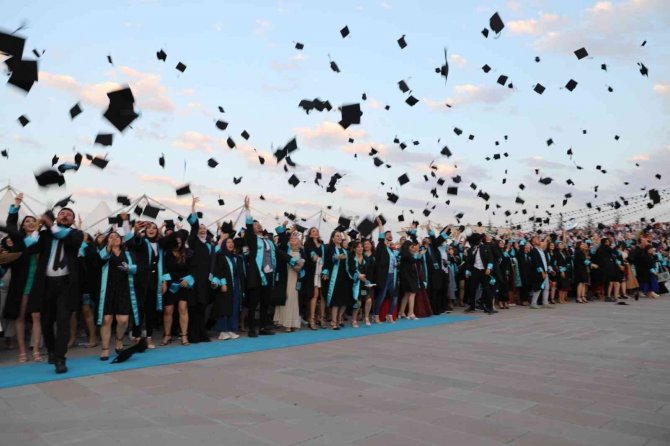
(233, 335)
(223, 336)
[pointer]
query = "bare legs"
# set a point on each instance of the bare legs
(407, 302)
(316, 296)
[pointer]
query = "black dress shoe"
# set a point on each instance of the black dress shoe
(266, 332)
(60, 366)
(252, 334)
(470, 310)
(52, 358)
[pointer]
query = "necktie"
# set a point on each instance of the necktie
(59, 259)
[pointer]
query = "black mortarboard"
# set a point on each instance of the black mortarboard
(610, 89)
(161, 161)
(403, 179)
(184, 190)
(581, 53)
(4, 153)
(452, 190)
(351, 114)
(101, 163)
(104, 139)
(471, 137)
(50, 177)
(289, 148)
(546, 181)
(403, 86)
(230, 143)
(571, 85)
(120, 110)
(24, 73)
(344, 222)
(334, 67)
(75, 110)
(221, 125)
(486, 68)
(654, 196)
(293, 181)
(440, 181)
(456, 179)
(496, 23)
(161, 55)
(181, 67)
(485, 32)
(116, 220)
(64, 202)
(126, 353)
(393, 198)
(299, 46)
(539, 88)
(459, 215)
(366, 227)
(473, 186)
(245, 134)
(54, 160)
(122, 199)
(344, 32)
(644, 71)
(411, 101)
(658, 176)
(502, 79)
(151, 211)
(23, 120)
(78, 158)
(458, 131)
(537, 59)
(12, 45)
(519, 200)
(378, 162)
(212, 163)
(237, 180)
(221, 202)
(401, 42)
(550, 141)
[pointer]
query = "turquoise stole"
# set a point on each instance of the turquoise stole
(132, 269)
(333, 274)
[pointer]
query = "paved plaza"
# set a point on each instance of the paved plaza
(595, 374)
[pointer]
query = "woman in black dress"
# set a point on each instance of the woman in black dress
(117, 293)
(505, 273)
(367, 296)
(358, 271)
(229, 273)
(561, 267)
(409, 278)
(336, 280)
(19, 303)
(550, 255)
(176, 286)
(315, 251)
(582, 264)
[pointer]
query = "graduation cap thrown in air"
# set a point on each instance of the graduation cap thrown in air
(104, 139)
(125, 354)
(184, 190)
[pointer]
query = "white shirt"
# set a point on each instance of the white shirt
(478, 259)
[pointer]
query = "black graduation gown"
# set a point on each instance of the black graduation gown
(310, 264)
(177, 272)
(223, 302)
(341, 284)
(561, 263)
(71, 244)
(409, 276)
(90, 272)
(536, 268)
(581, 268)
(202, 263)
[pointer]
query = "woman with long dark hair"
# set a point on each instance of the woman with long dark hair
(338, 283)
(229, 273)
(176, 286)
(117, 292)
(562, 268)
(582, 264)
(358, 270)
(409, 278)
(19, 303)
(315, 251)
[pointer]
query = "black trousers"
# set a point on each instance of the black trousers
(480, 278)
(56, 312)
(146, 305)
(260, 295)
(438, 292)
(197, 330)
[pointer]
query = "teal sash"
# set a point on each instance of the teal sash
(333, 274)
(132, 269)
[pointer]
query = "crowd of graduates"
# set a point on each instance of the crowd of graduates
(191, 285)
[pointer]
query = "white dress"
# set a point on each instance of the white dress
(288, 315)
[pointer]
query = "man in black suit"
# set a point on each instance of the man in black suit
(262, 265)
(386, 272)
(57, 281)
(478, 264)
(538, 272)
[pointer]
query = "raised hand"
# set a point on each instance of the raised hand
(18, 199)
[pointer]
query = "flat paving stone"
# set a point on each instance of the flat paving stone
(579, 375)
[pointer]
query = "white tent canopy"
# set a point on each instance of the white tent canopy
(31, 206)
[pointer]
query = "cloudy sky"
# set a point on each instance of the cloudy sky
(241, 56)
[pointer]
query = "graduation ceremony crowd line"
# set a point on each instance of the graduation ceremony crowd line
(136, 280)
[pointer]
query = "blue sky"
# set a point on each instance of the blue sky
(241, 55)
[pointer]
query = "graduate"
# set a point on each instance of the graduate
(262, 264)
(202, 262)
(19, 305)
(358, 268)
(147, 245)
(57, 281)
(176, 285)
(89, 265)
(289, 276)
(315, 251)
(229, 275)
(117, 292)
(338, 284)
(367, 296)
(386, 274)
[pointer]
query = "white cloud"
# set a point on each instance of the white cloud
(327, 134)
(534, 26)
(385, 5)
(147, 88)
(458, 60)
(470, 94)
(192, 140)
(27, 141)
(662, 88)
(262, 27)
